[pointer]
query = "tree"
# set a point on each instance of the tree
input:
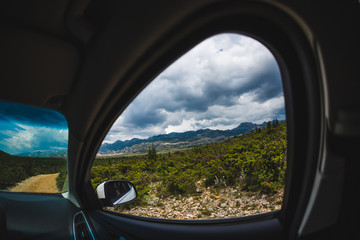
(152, 153)
(258, 129)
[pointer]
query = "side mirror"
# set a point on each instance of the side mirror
(116, 192)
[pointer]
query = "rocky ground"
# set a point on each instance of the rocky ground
(209, 203)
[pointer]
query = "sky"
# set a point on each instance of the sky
(223, 81)
(29, 129)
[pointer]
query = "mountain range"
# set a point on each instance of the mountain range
(176, 140)
(162, 142)
(43, 153)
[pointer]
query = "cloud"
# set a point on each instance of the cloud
(223, 81)
(26, 129)
(25, 138)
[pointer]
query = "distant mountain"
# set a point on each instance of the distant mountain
(176, 140)
(118, 145)
(43, 153)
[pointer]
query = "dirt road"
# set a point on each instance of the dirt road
(45, 183)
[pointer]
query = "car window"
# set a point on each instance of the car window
(206, 139)
(33, 149)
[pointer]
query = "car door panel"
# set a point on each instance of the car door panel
(111, 225)
(36, 216)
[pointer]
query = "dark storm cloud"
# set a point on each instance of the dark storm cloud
(144, 116)
(31, 115)
(190, 102)
(265, 84)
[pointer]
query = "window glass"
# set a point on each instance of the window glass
(206, 139)
(33, 149)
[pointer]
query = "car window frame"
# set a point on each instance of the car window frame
(292, 48)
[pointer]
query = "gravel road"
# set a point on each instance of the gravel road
(44, 183)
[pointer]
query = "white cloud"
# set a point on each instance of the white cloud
(27, 138)
(185, 125)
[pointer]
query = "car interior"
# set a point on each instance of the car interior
(89, 59)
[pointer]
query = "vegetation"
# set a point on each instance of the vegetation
(15, 169)
(62, 181)
(256, 161)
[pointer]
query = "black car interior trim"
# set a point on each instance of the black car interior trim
(301, 67)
